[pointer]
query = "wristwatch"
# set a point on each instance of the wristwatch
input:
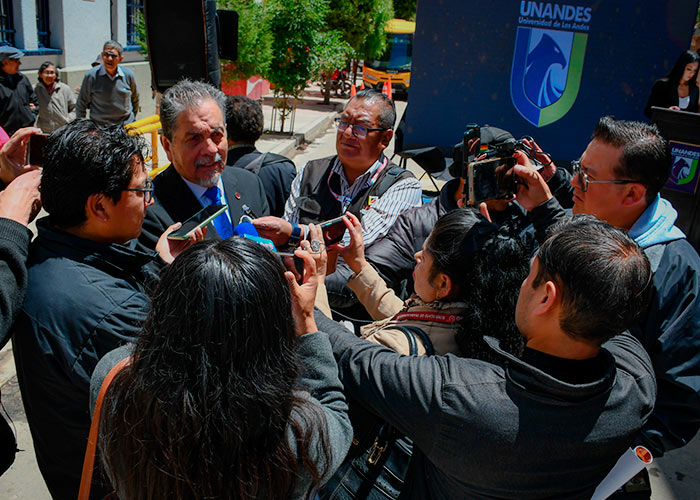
(295, 237)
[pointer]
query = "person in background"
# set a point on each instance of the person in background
(244, 126)
(56, 99)
(17, 98)
(678, 89)
(109, 90)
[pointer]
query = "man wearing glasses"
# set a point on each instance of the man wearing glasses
(86, 287)
(618, 180)
(359, 179)
(109, 90)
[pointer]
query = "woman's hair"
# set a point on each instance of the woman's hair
(45, 65)
(205, 409)
(676, 73)
(486, 265)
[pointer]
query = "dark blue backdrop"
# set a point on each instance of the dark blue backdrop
(463, 53)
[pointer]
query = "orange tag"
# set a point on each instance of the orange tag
(643, 454)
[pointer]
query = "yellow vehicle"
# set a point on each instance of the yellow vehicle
(396, 60)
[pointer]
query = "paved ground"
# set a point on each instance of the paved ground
(674, 477)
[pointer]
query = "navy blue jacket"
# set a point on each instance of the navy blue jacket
(83, 299)
(670, 332)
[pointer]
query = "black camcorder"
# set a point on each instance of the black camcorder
(490, 177)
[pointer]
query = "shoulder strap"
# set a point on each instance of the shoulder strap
(89, 461)
(255, 165)
(411, 333)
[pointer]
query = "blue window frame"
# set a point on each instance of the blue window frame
(7, 31)
(134, 9)
(42, 23)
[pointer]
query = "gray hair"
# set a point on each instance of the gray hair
(387, 109)
(187, 94)
(111, 44)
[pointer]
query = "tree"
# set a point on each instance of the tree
(375, 42)
(405, 9)
(359, 20)
(254, 40)
(329, 53)
(295, 25)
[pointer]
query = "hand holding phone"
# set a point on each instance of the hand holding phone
(200, 219)
(333, 230)
(35, 149)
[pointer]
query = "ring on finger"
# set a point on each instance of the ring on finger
(315, 246)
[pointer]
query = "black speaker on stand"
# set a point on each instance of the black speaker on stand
(183, 41)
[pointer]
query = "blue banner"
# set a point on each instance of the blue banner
(545, 69)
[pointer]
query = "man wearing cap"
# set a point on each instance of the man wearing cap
(17, 98)
(109, 90)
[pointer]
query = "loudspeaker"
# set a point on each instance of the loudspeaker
(182, 41)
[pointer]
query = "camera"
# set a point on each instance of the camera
(491, 177)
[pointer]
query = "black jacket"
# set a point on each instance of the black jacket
(507, 429)
(174, 202)
(670, 332)
(15, 95)
(14, 245)
(276, 177)
(665, 95)
(83, 299)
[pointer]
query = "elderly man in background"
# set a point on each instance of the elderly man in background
(109, 90)
(17, 98)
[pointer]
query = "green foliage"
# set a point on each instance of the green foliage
(295, 24)
(375, 42)
(140, 27)
(254, 40)
(329, 52)
(405, 9)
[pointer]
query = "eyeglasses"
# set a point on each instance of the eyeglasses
(584, 181)
(358, 130)
(110, 55)
(147, 191)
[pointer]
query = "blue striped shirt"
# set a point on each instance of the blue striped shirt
(381, 214)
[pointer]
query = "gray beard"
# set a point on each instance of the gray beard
(213, 179)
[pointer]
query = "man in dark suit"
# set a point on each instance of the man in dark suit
(194, 139)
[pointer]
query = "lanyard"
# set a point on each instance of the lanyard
(348, 199)
(429, 316)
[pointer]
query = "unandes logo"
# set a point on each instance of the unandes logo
(548, 60)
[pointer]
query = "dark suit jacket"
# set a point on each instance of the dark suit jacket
(174, 201)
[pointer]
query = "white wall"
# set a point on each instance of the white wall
(86, 27)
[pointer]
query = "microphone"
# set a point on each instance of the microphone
(247, 230)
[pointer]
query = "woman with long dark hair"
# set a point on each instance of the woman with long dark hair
(463, 280)
(678, 90)
(56, 99)
(232, 393)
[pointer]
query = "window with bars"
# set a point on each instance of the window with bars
(134, 10)
(42, 23)
(7, 31)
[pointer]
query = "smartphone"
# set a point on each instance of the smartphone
(200, 219)
(35, 149)
(333, 230)
(294, 264)
(491, 178)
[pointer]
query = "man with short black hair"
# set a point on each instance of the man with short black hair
(359, 179)
(109, 90)
(192, 114)
(87, 287)
(550, 424)
(618, 180)
(244, 126)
